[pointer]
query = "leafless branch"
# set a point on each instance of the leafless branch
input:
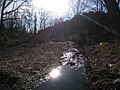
(15, 8)
(8, 4)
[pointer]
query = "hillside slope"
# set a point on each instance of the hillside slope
(103, 65)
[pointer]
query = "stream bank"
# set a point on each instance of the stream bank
(103, 65)
(69, 75)
(28, 63)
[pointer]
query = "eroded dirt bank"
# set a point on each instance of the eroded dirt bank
(103, 66)
(22, 67)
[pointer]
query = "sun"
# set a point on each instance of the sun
(56, 6)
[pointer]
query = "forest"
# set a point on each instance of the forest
(94, 25)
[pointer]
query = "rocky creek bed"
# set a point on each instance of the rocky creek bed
(22, 67)
(103, 65)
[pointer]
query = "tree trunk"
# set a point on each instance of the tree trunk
(2, 13)
(35, 24)
(44, 24)
(97, 5)
(114, 13)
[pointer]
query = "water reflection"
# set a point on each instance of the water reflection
(55, 73)
(73, 58)
(69, 76)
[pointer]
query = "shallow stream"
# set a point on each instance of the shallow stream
(70, 75)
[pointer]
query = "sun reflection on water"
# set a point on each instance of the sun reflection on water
(55, 73)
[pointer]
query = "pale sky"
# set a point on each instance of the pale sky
(57, 6)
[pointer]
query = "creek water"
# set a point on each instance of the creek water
(70, 75)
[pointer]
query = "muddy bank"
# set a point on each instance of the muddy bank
(27, 64)
(103, 65)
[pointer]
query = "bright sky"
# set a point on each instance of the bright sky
(57, 6)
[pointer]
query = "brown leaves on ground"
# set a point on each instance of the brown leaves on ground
(103, 66)
(30, 63)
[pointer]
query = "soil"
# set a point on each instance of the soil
(103, 65)
(22, 67)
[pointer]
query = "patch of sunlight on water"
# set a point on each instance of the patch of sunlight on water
(55, 73)
(70, 58)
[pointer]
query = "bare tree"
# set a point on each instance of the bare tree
(27, 18)
(78, 6)
(10, 6)
(35, 23)
(114, 13)
(68, 15)
(118, 2)
(99, 5)
(43, 17)
(58, 20)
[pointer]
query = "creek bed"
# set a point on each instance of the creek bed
(70, 75)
